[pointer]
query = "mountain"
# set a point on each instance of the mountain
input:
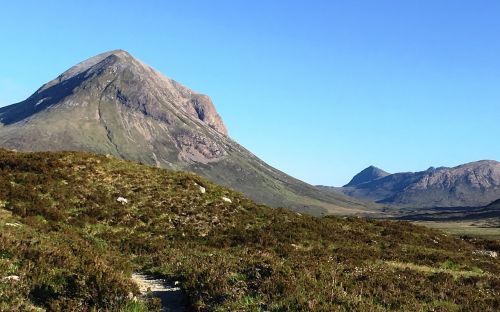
(75, 226)
(473, 184)
(115, 104)
(367, 175)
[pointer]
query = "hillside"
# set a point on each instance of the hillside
(68, 244)
(115, 104)
(473, 184)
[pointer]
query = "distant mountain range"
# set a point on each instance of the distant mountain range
(469, 185)
(115, 104)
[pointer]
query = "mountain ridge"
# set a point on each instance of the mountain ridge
(473, 184)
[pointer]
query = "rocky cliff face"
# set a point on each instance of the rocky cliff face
(115, 104)
(472, 184)
(478, 175)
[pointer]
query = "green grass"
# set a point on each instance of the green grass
(447, 267)
(76, 247)
(135, 307)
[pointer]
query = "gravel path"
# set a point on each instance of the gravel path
(171, 296)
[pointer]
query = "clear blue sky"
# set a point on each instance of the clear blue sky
(318, 89)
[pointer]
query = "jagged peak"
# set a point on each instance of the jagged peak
(85, 65)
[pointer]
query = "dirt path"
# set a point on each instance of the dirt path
(171, 296)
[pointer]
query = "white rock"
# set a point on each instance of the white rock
(14, 278)
(202, 189)
(13, 224)
(227, 200)
(489, 253)
(122, 200)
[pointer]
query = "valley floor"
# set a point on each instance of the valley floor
(486, 229)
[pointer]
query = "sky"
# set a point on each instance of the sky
(317, 89)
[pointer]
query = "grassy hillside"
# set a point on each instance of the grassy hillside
(67, 244)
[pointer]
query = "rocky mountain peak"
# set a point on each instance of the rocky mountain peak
(118, 76)
(110, 57)
(369, 174)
